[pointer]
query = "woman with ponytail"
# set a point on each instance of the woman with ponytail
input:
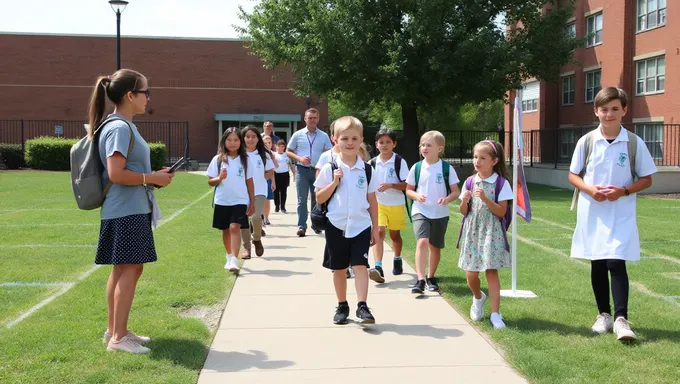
(130, 209)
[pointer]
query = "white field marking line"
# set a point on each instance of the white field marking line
(31, 284)
(48, 246)
(639, 286)
(82, 277)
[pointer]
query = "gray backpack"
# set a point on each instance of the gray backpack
(588, 149)
(87, 169)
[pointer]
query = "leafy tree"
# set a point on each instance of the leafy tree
(417, 54)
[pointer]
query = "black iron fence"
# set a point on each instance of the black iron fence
(548, 146)
(174, 134)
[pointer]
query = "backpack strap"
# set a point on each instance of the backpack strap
(369, 173)
(445, 172)
(500, 182)
(130, 146)
(632, 152)
(587, 149)
(417, 173)
(468, 186)
(397, 166)
(373, 161)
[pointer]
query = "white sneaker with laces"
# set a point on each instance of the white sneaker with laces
(233, 265)
(227, 264)
(131, 335)
(477, 308)
(603, 323)
(128, 345)
(497, 320)
(622, 330)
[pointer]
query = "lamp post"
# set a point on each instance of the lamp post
(118, 7)
(308, 99)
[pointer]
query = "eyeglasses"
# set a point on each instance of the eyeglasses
(146, 92)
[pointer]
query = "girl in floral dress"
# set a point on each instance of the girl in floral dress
(484, 243)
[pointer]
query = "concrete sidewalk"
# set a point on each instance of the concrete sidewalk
(277, 326)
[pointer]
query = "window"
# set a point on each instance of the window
(650, 14)
(593, 84)
(652, 134)
(651, 75)
(568, 90)
(530, 93)
(570, 30)
(594, 29)
(567, 143)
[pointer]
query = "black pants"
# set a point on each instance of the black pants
(281, 193)
(600, 279)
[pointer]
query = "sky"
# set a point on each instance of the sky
(188, 18)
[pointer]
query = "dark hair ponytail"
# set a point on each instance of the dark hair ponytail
(113, 87)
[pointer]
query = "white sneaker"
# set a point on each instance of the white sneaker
(233, 264)
(128, 345)
(622, 330)
(477, 308)
(603, 323)
(131, 335)
(497, 321)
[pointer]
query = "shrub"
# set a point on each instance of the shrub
(159, 155)
(53, 153)
(12, 156)
(49, 153)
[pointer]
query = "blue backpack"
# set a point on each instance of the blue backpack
(505, 220)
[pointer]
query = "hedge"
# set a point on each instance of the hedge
(53, 154)
(12, 156)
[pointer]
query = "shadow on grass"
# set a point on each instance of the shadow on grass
(239, 361)
(187, 353)
(454, 285)
(413, 330)
(654, 334)
(527, 324)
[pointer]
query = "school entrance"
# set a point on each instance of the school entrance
(284, 124)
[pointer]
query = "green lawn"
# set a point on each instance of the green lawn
(548, 338)
(45, 239)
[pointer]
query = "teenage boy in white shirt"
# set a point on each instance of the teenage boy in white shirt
(352, 217)
(606, 232)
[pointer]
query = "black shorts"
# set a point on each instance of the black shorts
(341, 252)
(225, 215)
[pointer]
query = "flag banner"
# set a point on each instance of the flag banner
(523, 202)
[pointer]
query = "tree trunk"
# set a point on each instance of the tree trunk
(411, 139)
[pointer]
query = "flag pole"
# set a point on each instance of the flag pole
(516, 137)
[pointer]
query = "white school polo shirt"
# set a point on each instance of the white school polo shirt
(284, 161)
(348, 208)
(258, 173)
(431, 184)
(505, 193)
(233, 189)
(326, 158)
(608, 229)
(385, 171)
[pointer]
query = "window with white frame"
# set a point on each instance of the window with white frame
(568, 90)
(650, 14)
(651, 75)
(593, 80)
(594, 29)
(570, 30)
(530, 93)
(652, 135)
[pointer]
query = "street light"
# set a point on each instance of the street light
(308, 99)
(118, 7)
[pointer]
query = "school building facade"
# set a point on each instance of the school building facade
(211, 84)
(631, 44)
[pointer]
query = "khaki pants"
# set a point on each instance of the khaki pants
(255, 221)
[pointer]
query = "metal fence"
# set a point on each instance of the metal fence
(548, 146)
(174, 134)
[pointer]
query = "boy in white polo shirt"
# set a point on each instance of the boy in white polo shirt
(391, 171)
(432, 184)
(606, 232)
(349, 188)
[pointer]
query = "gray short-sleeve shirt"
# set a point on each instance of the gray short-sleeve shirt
(124, 200)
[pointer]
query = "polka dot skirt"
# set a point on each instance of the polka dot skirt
(126, 240)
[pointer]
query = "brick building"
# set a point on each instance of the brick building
(634, 45)
(211, 83)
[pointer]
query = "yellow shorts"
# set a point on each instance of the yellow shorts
(392, 216)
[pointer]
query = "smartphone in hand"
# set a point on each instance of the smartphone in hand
(176, 166)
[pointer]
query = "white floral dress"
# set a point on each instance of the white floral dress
(482, 241)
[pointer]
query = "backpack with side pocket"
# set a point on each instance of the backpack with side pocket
(505, 220)
(397, 170)
(587, 152)
(319, 212)
(87, 169)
